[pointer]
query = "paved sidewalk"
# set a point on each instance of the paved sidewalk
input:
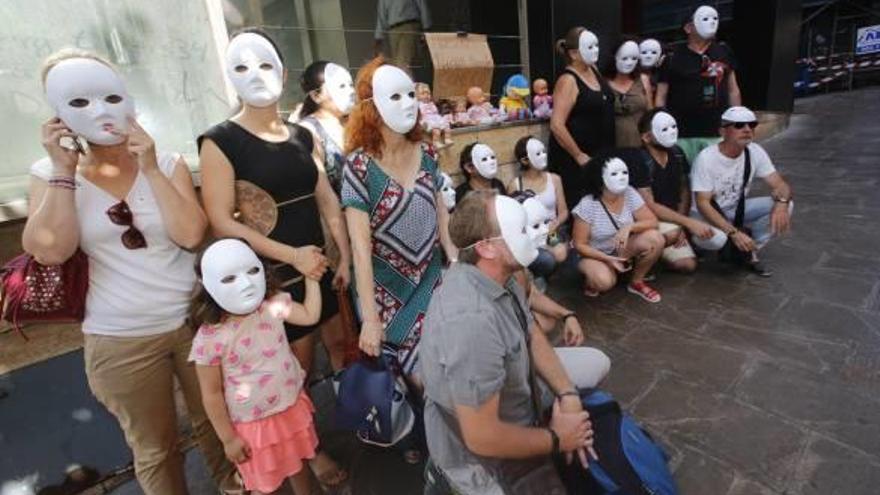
(757, 386)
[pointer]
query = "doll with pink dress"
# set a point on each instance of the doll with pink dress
(542, 102)
(480, 111)
(251, 383)
(460, 115)
(430, 118)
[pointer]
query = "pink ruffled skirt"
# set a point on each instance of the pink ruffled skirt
(278, 445)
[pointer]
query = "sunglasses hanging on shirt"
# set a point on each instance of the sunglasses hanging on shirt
(120, 214)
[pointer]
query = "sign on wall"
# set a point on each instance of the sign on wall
(868, 40)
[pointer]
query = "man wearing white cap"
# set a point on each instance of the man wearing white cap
(720, 181)
(698, 81)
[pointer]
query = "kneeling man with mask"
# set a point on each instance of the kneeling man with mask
(482, 356)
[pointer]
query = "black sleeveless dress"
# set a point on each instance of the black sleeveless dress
(287, 172)
(591, 124)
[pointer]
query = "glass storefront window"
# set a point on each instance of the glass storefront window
(165, 49)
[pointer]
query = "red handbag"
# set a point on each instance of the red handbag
(35, 293)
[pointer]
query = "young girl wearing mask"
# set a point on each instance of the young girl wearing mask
(252, 385)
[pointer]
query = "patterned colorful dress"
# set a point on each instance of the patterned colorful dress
(405, 245)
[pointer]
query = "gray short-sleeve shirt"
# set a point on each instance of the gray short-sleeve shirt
(473, 347)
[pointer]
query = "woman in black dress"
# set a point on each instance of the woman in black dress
(260, 183)
(582, 122)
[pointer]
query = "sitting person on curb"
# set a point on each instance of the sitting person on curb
(614, 231)
(661, 178)
(480, 353)
(720, 180)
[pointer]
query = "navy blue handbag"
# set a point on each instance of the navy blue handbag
(371, 400)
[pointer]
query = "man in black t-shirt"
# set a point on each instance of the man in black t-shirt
(697, 83)
(659, 172)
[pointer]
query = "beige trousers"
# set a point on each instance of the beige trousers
(133, 378)
(403, 42)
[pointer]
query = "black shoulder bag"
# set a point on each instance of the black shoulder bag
(730, 253)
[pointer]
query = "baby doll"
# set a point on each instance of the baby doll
(430, 118)
(515, 100)
(542, 102)
(460, 117)
(480, 111)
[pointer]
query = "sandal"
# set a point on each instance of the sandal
(330, 476)
(644, 291)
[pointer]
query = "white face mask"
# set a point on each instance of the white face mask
(255, 69)
(448, 192)
(339, 85)
(513, 222)
(537, 154)
(484, 161)
(706, 22)
(615, 175)
(649, 53)
(90, 98)
(588, 47)
(233, 276)
(627, 57)
(664, 129)
(394, 95)
(537, 216)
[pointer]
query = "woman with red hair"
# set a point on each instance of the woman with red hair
(391, 191)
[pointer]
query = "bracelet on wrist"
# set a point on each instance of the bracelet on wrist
(568, 392)
(732, 232)
(570, 314)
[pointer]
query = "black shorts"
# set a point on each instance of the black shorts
(329, 305)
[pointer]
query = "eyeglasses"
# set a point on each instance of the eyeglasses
(120, 214)
(740, 125)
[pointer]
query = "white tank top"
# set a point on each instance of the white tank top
(547, 197)
(132, 292)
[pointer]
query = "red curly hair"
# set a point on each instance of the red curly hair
(363, 129)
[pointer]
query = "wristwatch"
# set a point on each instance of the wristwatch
(732, 232)
(570, 314)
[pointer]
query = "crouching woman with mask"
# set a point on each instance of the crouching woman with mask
(614, 231)
(480, 343)
(133, 211)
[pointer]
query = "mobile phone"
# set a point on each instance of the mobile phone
(74, 144)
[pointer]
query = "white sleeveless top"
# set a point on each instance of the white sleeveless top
(547, 197)
(132, 292)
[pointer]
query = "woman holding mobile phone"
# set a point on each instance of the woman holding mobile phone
(133, 211)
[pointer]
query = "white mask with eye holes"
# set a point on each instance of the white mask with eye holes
(255, 70)
(615, 175)
(340, 86)
(649, 53)
(448, 191)
(706, 22)
(588, 47)
(233, 276)
(627, 57)
(537, 154)
(394, 94)
(484, 161)
(664, 129)
(537, 216)
(513, 223)
(90, 99)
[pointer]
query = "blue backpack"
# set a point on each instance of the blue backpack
(630, 462)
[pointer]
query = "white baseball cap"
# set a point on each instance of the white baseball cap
(738, 114)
